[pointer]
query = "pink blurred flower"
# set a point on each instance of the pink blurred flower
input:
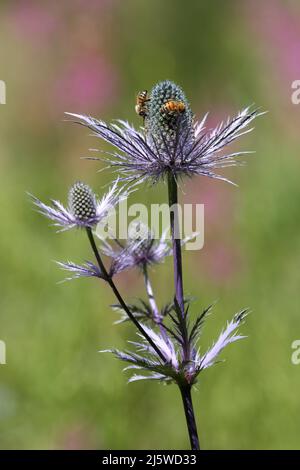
(76, 437)
(217, 200)
(222, 262)
(277, 31)
(219, 258)
(275, 28)
(94, 4)
(32, 20)
(87, 84)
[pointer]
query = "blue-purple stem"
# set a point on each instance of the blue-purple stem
(109, 280)
(177, 262)
(186, 396)
(175, 232)
(179, 296)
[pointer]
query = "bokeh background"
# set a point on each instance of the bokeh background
(56, 390)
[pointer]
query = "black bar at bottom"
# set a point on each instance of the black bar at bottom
(136, 458)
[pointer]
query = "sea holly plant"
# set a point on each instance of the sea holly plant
(171, 145)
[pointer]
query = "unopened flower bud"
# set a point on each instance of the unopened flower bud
(82, 201)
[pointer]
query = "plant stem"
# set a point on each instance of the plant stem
(109, 280)
(190, 416)
(177, 261)
(177, 257)
(179, 296)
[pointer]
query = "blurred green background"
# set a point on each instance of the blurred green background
(92, 57)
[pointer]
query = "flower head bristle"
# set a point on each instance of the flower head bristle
(171, 141)
(82, 201)
(84, 208)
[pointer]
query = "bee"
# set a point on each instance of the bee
(141, 100)
(173, 107)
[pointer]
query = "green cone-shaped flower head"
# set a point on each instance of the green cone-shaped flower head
(82, 201)
(168, 113)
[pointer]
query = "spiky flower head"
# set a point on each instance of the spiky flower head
(84, 209)
(141, 249)
(176, 368)
(140, 241)
(82, 202)
(171, 141)
(168, 111)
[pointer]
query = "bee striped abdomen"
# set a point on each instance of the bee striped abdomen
(141, 100)
(173, 107)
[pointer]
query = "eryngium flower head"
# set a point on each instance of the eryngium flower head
(84, 209)
(82, 203)
(141, 249)
(175, 368)
(171, 142)
(169, 116)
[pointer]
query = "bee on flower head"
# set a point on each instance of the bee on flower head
(141, 106)
(174, 107)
